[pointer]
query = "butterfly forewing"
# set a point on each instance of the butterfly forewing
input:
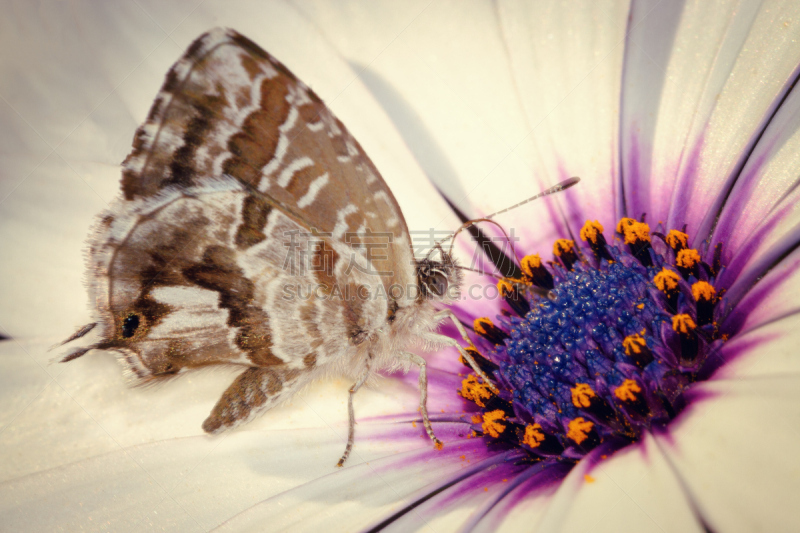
(229, 108)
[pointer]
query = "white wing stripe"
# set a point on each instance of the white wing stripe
(295, 166)
(313, 190)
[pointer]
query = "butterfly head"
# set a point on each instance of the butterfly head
(438, 277)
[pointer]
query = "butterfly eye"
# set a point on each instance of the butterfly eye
(130, 325)
(437, 284)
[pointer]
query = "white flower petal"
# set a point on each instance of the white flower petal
(736, 452)
(765, 187)
(518, 510)
(88, 450)
(651, 32)
(365, 494)
(769, 350)
(568, 83)
(773, 242)
(729, 65)
(484, 111)
(193, 483)
(634, 490)
(442, 73)
(774, 296)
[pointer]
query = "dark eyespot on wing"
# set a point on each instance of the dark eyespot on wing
(129, 326)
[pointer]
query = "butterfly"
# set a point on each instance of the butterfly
(252, 230)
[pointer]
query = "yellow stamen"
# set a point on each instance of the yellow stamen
(634, 231)
(492, 422)
(702, 290)
(505, 288)
(627, 391)
(624, 223)
(591, 230)
(683, 324)
(687, 258)
(579, 429)
(638, 232)
(482, 325)
(474, 391)
(533, 436)
(666, 280)
(633, 344)
(582, 395)
(562, 246)
(529, 263)
(677, 239)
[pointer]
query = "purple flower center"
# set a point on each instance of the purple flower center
(608, 355)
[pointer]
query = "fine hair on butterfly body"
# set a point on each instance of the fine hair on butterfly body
(242, 194)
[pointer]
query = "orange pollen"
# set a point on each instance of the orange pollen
(623, 224)
(627, 391)
(633, 344)
(493, 422)
(633, 231)
(637, 232)
(474, 391)
(687, 258)
(533, 436)
(591, 230)
(579, 429)
(482, 325)
(666, 280)
(438, 445)
(677, 239)
(683, 324)
(505, 287)
(582, 395)
(702, 290)
(476, 419)
(562, 246)
(529, 263)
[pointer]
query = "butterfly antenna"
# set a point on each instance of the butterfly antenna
(560, 186)
(474, 221)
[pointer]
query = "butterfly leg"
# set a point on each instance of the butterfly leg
(423, 394)
(444, 339)
(351, 413)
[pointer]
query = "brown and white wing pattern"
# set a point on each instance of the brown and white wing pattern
(229, 108)
(241, 183)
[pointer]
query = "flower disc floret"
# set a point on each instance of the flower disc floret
(605, 356)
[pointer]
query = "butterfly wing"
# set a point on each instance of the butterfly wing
(228, 108)
(237, 174)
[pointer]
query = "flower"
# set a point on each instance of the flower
(681, 111)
